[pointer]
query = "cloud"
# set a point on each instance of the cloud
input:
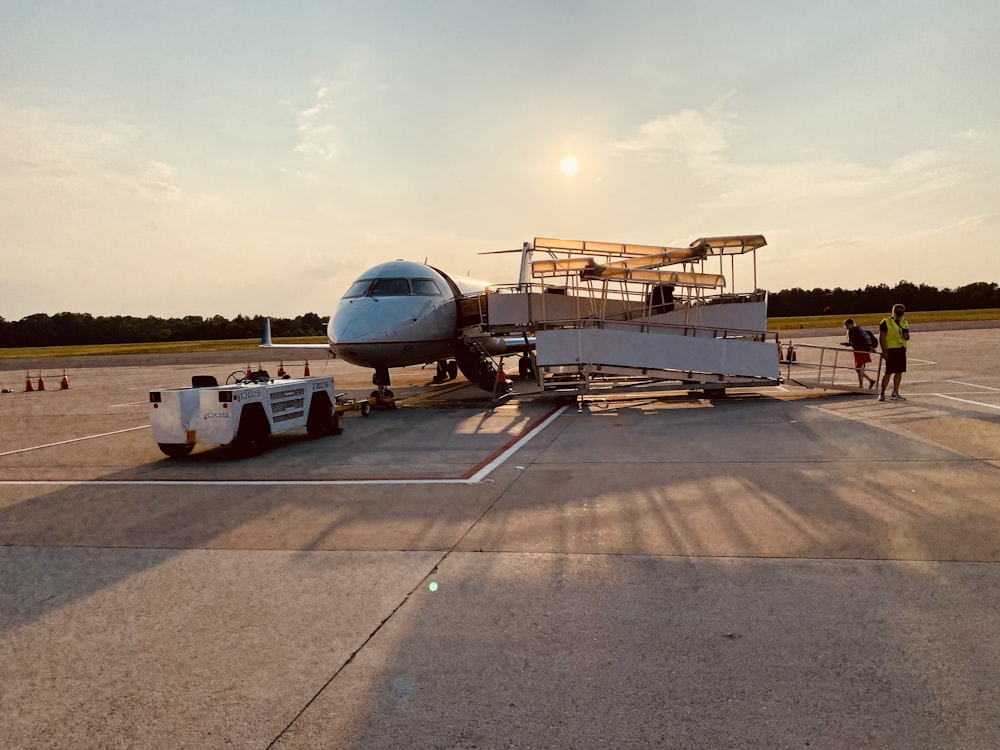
(703, 140)
(158, 169)
(953, 229)
(160, 189)
(154, 184)
(318, 135)
(840, 243)
(692, 135)
(49, 153)
(976, 136)
(321, 125)
(790, 182)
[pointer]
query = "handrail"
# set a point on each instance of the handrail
(645, 326)
(826, 371)
(638, 291)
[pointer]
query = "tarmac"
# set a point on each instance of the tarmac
(782, 568)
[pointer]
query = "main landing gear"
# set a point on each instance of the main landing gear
(446, 370)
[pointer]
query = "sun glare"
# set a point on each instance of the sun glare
(570, 165)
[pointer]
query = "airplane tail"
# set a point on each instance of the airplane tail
(267, 343)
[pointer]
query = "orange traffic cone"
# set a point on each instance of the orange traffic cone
(64, 383)
(28, 387)
(281, 369)
(306, 374)
(41, 383)
(249, 371)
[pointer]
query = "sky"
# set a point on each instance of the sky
(192, 158)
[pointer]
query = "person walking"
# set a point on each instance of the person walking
(858, 341)
(893, 338)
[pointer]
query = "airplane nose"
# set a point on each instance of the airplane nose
(350, 330)
(368, 321)
(353, 329)
(355, 322)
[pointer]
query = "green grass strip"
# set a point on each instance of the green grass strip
(170, 347)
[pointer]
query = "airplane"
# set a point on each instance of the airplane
(403, 313)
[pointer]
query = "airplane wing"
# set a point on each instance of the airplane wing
(266, 343)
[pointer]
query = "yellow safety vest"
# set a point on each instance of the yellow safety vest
(894, 333)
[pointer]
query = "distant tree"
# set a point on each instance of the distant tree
(67, 328)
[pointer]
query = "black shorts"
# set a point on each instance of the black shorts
(895, 361)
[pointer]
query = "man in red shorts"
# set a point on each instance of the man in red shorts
(859, 343)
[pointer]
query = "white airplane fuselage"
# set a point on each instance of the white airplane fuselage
(398, 314)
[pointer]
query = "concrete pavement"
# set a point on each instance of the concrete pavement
(782, 568)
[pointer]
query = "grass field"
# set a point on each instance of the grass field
(873, 319)
(172, 347)
(773, 324)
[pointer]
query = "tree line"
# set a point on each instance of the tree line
(69, 329)
(74, 329)
(796, 302)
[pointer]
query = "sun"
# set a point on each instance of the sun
(570, 165)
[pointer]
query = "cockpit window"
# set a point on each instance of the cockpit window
(393, 288)
(358, 288)
(390, 288)
(425, 286)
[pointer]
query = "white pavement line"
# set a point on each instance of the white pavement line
(974, 385)
(488, 469)
(476, 478)
(966, 400)
(218, 482)
(72, 440)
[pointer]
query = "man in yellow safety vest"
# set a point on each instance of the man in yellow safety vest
(893, 338)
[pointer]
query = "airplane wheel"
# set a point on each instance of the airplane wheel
(452, 370)
(385, 398)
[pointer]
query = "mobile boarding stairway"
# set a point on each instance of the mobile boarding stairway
(594, 315)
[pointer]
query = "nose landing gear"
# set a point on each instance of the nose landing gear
(384, 398)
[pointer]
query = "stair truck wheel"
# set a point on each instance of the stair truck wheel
(322, 420)
(254, 432)
(176, 450)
